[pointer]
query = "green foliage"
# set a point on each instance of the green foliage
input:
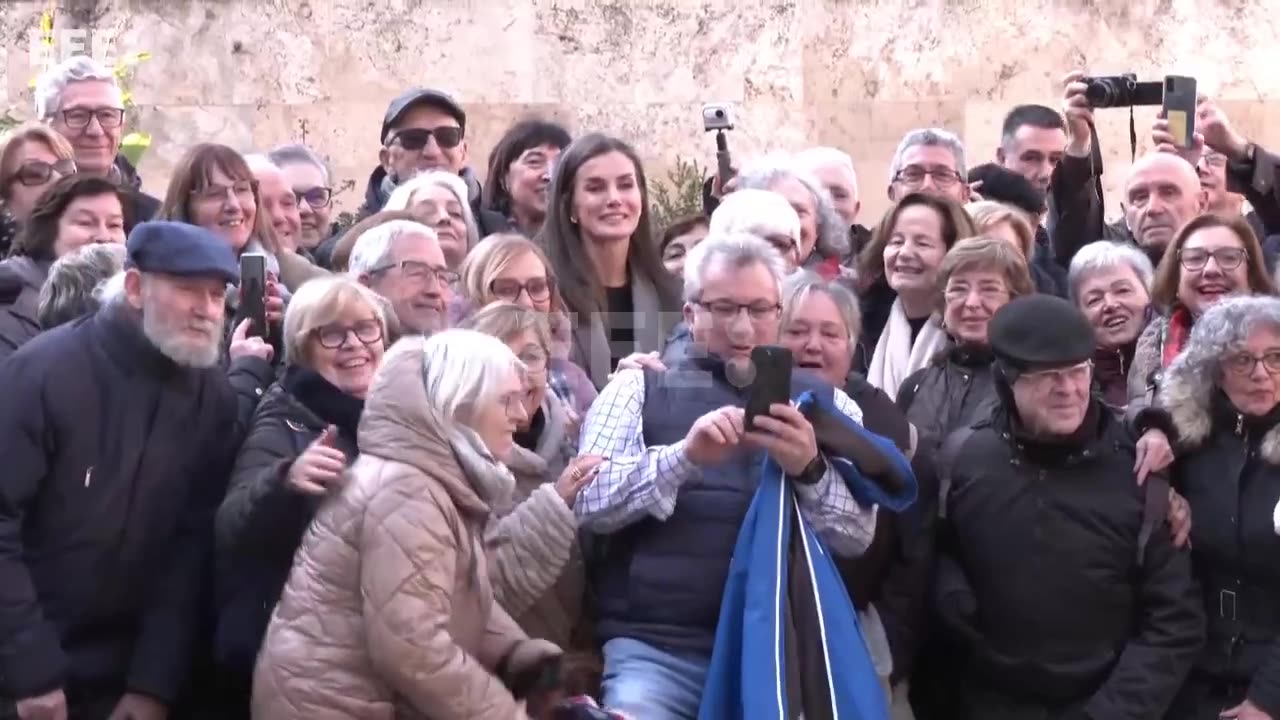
(679, 196)
(7, 120)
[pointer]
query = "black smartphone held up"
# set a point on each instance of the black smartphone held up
(1179, 108)
(771, 382)
(253, 293)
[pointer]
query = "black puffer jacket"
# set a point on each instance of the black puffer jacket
(20, 281)
(956, 390)
(1067, 611)
(1229, 471)
(261, 521)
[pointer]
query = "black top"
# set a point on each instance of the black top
(622, 334)
(917, 324)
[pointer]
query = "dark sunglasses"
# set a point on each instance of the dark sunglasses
(447, 136)
(316, 197)
(38, 172)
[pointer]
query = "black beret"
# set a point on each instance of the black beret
(177, 248)
(421, 96)
(1040, 330)
(1008, 187)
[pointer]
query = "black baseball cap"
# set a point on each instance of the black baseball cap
(421, 96)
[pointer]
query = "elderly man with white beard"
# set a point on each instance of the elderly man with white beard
(117, 431)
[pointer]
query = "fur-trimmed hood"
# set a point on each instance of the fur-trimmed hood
(1187, 392)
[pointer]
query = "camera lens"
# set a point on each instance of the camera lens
(1100, 93)
(719, 114)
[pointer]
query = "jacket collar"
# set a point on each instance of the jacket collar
(1198, 409)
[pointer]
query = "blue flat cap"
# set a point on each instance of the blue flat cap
(177, 248)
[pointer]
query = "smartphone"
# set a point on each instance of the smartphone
(771, 382)
(1179, 108)
(253, 293)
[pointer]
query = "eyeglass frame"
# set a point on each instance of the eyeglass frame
(438, 273)
(523, 287)
(1243, 371)
(398, 135)
(1182, 258)
(200, 193)
(300, 197)
(94, 113)
(347, 331)
(739, 308)
(1054, 374)
(62, 167)
(952, 177)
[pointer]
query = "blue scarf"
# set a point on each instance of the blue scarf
(747, 677)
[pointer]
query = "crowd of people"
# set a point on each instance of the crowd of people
(489, 457)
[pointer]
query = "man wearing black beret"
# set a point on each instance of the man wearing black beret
(117, 432)
(1056, 572)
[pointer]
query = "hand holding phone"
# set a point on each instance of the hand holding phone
(253, 293)
(771, 381)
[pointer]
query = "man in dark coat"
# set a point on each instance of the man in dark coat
(1056, 571)
(117, 433)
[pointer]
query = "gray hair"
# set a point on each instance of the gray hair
(374, 248)
(736, 250)
(1223, 328)
(72, 289)
(758, 212)
(799, 286)
(1105, 255)
(298, 154)
(929, 137)
(402, 197)
(833, 234)
(821, 156)
(51, 83)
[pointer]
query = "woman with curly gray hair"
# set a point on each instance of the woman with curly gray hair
(823, 234)
(1223, 392)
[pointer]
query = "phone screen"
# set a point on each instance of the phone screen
(771, 383)
(253, 293)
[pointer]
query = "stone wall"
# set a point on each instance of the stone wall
(850, 73)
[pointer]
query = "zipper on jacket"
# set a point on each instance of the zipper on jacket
(1239, 424)
(88, 476)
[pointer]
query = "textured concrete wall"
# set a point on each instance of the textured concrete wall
(855, 74)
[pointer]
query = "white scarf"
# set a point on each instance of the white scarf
(896, 356)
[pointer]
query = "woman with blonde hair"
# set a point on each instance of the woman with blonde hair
(511, 268)
(389, 611)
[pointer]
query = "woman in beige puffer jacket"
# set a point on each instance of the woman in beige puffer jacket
(389, 612)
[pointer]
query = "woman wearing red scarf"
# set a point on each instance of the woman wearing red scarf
(1211, 258)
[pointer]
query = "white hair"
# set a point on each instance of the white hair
(929, 137)
(374, 248)
(111, 290)
(1105, 255)
(402, 197)
(258, 162)
(298, 154)
(737, 250)
(462, 368)
(759, 212)
(71, 289)
(816, 157)
(764, 174)
(77, 68)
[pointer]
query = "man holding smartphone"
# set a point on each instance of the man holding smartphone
(681, 473)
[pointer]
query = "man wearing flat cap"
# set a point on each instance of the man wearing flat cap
(423, 129)
(1057, 574)
(117, 432)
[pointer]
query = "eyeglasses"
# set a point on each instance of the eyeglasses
(1244, 363)
(1227, 258)
(316, 197)
(914, 176)
(79, 118)
(421, 272)
(447, 136)
(240, 190)
(726, 311)
(1076, 374)
(539, 289)
(990, 293)
(533, 358)
(37, 172)
(333, 336)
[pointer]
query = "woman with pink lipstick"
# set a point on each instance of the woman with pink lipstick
(1211, 258)
(598, 236)
(302, 438)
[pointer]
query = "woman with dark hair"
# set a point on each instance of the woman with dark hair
(520, 169)
(679, 238)
(75, 211)
(899, 273)
(600, 243)
(1211, 258)
(213, 187)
